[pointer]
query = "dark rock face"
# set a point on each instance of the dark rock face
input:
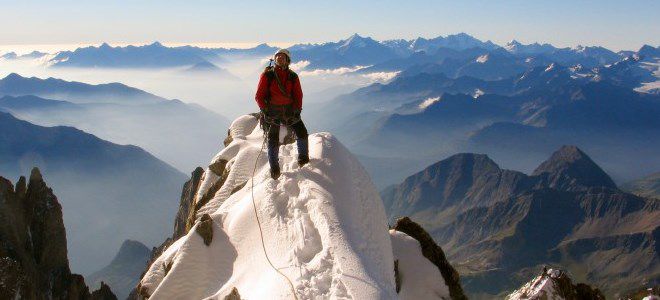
(234, 295)
(568, 213)
(187, 197)
(205, 229)
(569, 168)
(467, 179)
(103, 293)
(123, 273)
(434, 253)
(33, 252)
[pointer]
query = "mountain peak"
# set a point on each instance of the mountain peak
(355, 36)
(569, 168)
(481, 160)
(13, 76)
(461, 35)
(36, 175)
(130, 250)
(331, 188)
(356, 39)
(648, 51)
(156, 44)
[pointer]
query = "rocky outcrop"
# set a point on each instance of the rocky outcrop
(187, 197)
(434, 253)
(234, 295)
(645, 293)
(125, 269)
(205, 229)
(33, 248)
(103, 293)
(555, 284)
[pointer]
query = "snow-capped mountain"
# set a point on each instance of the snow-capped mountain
(322, 226)
(516, 47)
(353, 51)
(154, 55)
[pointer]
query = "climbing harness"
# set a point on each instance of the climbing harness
(261, 233)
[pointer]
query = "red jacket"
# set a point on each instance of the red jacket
(292, 87)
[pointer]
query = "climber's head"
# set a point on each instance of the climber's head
(282, 58)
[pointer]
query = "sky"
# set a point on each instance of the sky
(618, 25)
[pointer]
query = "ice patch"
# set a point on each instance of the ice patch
(482, 59)
(428, 102)
(550, 67)
(477, 93)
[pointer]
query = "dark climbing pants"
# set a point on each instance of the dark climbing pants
(274, 141)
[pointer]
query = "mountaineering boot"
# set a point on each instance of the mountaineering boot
(275, 172)
(302, 160)
(303, 151)
(273, 161)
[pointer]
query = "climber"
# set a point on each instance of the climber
(279, 96)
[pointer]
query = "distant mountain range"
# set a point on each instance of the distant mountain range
(109, 192)
(154, 55)
(428, 113)
(31, 55)
(76, 92)
(500, 227)
(353, 51)
(179, 133)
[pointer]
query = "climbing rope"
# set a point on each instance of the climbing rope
(261, 233)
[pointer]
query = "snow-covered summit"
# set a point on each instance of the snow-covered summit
(323, 226)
